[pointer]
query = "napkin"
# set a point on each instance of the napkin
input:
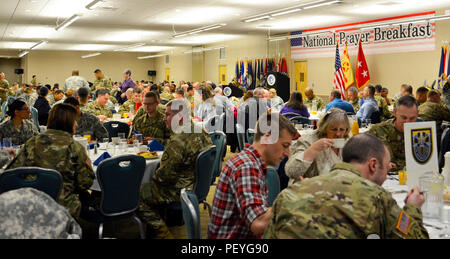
(102, 157)
(91, 146)
(154, 145)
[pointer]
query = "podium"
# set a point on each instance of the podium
(281, 83)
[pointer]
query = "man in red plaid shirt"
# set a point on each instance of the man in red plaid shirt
(240, 207)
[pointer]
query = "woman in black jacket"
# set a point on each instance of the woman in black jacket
(42, 106)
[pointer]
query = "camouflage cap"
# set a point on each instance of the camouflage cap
(31, 214)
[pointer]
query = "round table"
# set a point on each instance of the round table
(399, 192)
(151, 164)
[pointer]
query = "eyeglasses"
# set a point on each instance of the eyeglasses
(149, 104)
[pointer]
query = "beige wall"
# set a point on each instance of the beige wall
(55, 66)
(8, 66)
(180, 66)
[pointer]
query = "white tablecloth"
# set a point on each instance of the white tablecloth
(399, 192)
(151, 166)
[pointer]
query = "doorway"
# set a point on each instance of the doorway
(301, 76)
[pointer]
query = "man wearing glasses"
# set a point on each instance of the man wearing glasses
(149, 121)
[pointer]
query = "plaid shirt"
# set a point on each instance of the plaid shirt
(240, 197)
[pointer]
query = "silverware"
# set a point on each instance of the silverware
(433, 226)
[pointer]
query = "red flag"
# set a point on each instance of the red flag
(284, 66)
(362, 70)
(267, 65)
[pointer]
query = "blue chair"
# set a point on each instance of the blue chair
(203, 174)
(34, 117)
(250, 135)
(120, 181)
(273, 184)
(191, 214)
(240, 132)
(164, 101)
(4, 107)
(48, 181)
(300, 120)
(116, 127)
(219, 140)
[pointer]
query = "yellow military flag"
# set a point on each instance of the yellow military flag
(347, 69)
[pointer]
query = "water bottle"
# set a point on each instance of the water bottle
(446, 171)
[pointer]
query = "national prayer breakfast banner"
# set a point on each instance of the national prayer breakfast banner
(402, 37)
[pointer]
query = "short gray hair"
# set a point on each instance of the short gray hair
(353, 90)
(331, 118)
(217, 90)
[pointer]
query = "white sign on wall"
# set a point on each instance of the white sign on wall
(420, 150)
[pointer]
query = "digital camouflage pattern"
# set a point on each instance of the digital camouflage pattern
(320, 102)
(95, 109)
(84, 107)
(383, 107)
(18, 135)
(430, 111)
(27, 213)
(55, 149)
(167, 96)
(89, 124)
(175, 173)
(341, 205)
(446, 94)
(75, 82)
(355, 104)
(102, 83)
(393, 139)
(4, 90)
(151, 127)
(4, 157)
(126, 106)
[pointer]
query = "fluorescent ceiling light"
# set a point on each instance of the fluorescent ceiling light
(39, 44)
(198, 50)
(23, 53)
(257, 18)
(321, 4)
(153, 56)
(94, 4)
(286, 12)
(131, 47)
(203, 29)
(67, 22)
(91, 55)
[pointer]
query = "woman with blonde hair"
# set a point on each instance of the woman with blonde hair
(316, 153)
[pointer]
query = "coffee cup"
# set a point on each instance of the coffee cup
(339, 142)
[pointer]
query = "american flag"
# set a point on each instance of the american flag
(339, 79)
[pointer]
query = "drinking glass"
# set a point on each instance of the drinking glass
(432, 185)
(104, 144)
(123, 145)
(121, 136)
(139, 138)
(444, 214)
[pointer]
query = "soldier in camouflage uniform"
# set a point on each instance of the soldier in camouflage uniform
(352, 94)
(99, 107)
(310, 98)
(4, 157)
(348, 203)
(101, 83)
(176, 171)
(166, 94)
(432, 110)
(4, 88)
(19, 128)
(87, 124)
(149, 121)
(27, 213)
(132, 102)
(391, 132)
(56, 149)
(446, 92)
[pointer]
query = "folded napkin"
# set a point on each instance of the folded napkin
(91, 146)
(102, 157)
(154, 145)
